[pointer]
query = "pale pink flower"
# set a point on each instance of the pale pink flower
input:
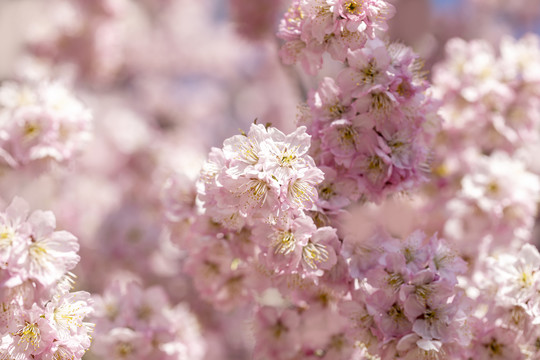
(343, 139)
(494, 343)
(336, 190)
(369, 68)
(321, 249)
(120, 343)
(329, 103)
(276, 333)
(14, 234)
(518, 277)
(66, 313)
(50, 254)
(32, 336)
(366, 16)
(44, 255)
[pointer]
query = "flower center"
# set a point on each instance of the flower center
(6, 236)
(287, 158)
(352, 7)
(284, 243)
(314, 254)
(30, 335)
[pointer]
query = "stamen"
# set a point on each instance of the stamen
(30, 335)
(63, 354)
(6, 236)
(284, 243)
(257, 190)
(395, 280)
(288, 157)
(381, 102)
(347, 135)
(314, 254)
(248, 152)
(301, 192)
(39, 255)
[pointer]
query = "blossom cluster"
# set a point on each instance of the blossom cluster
(312, 27)
(263, 175)
(406, 304)
(40, 122)
(259, 189)
(485, 178)
(506, 314)
(265, 181)
(372, 124)
(490, 96)
(496, 204)
(141, 324)
(40, 317)
(315, 240)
